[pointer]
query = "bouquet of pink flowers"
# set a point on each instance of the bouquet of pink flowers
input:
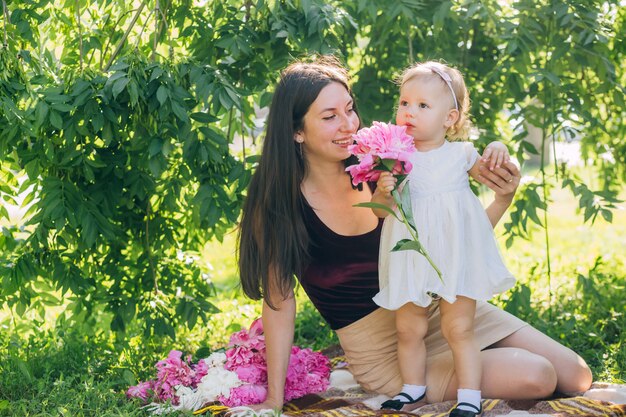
(387, 147)
(235, 377)
(382, 147)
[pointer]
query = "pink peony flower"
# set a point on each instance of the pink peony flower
(174, 369)
(318, 362)
(316, 382)
(235, 377)
(253, 373)
(200, 369)
(245, 395)
(143, 391)
(252, 338)
(239, 356)
(373, 145)
(365, 171)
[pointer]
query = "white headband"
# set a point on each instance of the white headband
(446, 77)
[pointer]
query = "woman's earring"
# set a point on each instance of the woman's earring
(299, 141)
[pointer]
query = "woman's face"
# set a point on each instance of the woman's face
(329, 125)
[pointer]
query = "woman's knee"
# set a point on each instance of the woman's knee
(578, 378)
(541, 379)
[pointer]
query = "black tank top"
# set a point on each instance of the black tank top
(342, 275)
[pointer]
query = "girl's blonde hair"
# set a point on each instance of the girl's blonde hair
(429, 70)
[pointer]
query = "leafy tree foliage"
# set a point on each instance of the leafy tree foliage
(118, 120)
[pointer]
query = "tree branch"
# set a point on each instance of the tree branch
(157, 12)
(121, 42)
(149, 249)
(243, 139)
(410, 42)
(80, 35)
(6, 21)
(143, 28)
(106, 46)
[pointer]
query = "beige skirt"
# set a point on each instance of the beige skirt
(370, 348)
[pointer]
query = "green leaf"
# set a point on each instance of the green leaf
(553, 78)
(180, 112)
(97, 121)
(379, 206)
(162, 94)
(119, 66)
(129, 377)
(388, 164)
(407, 244)
(156, 73)
(155, 146)
(203, 352)
(57, 98)
(266, 99)
(133, 93)
(403, 200)
(117, 324)
(62, 107)
(56, 120)
(41, 112)
(155, 166)
(203, 117)
(215, 137)
(119, 86)
(23, 368)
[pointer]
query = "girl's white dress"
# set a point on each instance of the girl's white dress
(454, 229)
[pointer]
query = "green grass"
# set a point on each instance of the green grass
(62, 375)
(581, 304)
(71, 372)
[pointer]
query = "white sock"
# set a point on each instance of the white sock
(414, 391)
(470, 396)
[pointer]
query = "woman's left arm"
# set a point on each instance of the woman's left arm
(504, 182)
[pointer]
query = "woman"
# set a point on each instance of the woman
(299, 220)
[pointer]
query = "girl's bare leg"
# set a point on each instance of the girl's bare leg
(572, 373)
(457, 326)
(412, 325)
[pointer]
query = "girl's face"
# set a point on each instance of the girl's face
(329, 125)
(426, 108)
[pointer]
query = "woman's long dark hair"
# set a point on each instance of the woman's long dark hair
(273, 240)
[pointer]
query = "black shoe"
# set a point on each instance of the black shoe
(397, 404)
(457, 412)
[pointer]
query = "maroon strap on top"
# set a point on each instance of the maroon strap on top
(342, 275)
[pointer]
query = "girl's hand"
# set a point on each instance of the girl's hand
(497, 153)
(386, 184)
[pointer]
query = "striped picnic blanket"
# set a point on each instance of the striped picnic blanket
(350, 400)
(317, 406)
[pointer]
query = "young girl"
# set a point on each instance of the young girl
(452, 226)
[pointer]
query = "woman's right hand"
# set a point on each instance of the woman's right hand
(503, 180)
(278, 329)
(267, 405)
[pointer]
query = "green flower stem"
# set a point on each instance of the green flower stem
(415, 235)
